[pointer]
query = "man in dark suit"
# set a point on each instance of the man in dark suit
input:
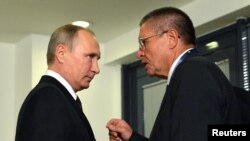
(52, 110)
(198, 94)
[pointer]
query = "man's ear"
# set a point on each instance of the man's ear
(60, 53)
(173, 38)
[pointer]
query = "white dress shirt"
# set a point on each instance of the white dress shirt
(62, 81)
(175, 64)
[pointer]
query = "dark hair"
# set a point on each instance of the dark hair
(63, 35)
(165, 18)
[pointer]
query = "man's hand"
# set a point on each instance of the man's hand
(119, 130)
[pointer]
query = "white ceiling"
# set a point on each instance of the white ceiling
(110, 18)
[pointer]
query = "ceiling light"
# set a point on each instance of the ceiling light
(84, 24)
(212, 45)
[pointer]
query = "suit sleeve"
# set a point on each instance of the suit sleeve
(137, 137)
(44, 117)
(198, 102)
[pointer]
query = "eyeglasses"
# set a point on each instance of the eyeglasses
(143, 40)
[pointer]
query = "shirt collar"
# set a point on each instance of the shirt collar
(175, 64)
(62, 81)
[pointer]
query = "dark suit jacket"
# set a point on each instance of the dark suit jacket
(198, 95)
(49, 113)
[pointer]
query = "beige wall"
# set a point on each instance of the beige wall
(23, 63)
(7, 95)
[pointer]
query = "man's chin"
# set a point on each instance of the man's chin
(85, 86)
(150, 73)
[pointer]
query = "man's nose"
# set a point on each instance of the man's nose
(95, 67)
(139, 53)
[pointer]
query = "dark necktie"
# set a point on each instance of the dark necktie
(86, 122)
(79, 102)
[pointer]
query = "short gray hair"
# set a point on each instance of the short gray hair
(170, 17)
(63, 35)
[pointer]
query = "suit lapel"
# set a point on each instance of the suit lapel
(64, 91)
